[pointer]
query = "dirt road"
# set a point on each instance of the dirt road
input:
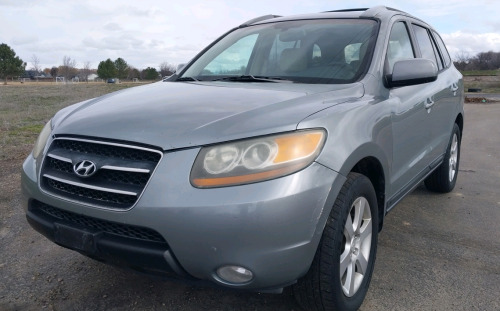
(436, 252)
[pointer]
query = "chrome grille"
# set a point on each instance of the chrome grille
(122, 172)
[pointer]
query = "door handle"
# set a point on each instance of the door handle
(428, 104)
(454, 88)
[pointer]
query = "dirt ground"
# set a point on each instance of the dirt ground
(436, 252)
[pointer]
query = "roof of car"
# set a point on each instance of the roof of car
(374, 12)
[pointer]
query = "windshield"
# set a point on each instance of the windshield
(305, 51)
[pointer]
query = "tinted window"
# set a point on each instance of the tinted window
(424, 42)
(399, 45)
(436, 53)
(279, 45)
(352, 52)
(442, 47)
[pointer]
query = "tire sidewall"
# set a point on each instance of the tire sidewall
(361, 187)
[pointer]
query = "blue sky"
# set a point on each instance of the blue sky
(147, 33)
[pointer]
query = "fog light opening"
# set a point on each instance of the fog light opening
(234, 274)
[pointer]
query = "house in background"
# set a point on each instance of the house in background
(92, 77)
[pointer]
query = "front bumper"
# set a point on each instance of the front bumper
(271, 228)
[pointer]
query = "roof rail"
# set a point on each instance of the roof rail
(258, 19)
(347, 10)
(377, 9)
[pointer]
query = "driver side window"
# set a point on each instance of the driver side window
(399, 45)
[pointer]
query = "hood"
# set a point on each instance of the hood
(178, 115)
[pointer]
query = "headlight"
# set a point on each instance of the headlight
(42, 139)
(255, 160)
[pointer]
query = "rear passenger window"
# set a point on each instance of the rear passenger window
(399, 45)
(436, 53)
(442, 48)
(425, 44)
(351, 52)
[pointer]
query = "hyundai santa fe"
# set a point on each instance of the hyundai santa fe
(269, 160)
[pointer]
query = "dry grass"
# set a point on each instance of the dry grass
(26, 107)
(481, 72)
(487, 84)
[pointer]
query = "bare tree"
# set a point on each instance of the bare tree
(133, 73)
(35, 66)
(462, 59)
(85, 72)
(487, 60)
(166, 69)
(54, 71)
(67, 70)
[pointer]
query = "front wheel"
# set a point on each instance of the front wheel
(444, 178)
(341, 271)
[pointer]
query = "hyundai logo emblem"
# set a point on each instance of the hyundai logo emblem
(85, 168)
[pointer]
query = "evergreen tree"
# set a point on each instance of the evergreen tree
(10, 64)
(121, 68)
(106, 69)
(150, 73)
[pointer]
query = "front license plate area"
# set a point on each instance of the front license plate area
(75, 238)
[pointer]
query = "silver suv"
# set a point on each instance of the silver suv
(269, 160)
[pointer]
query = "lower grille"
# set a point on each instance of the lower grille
(86, 222)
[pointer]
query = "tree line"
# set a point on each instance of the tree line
(11, 66)
(120, 69)
(481, 61)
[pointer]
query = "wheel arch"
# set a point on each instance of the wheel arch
(372, 168)
(370, 160)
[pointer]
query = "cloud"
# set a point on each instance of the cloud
(494, 25)
(18, 3)
(112, 27)
(122, 42)
(22, 40)
(471, 43)
(134, 11)
(204, 11)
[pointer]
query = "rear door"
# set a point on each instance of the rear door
(449, 106)
(439, 101)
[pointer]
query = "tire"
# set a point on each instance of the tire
(326, 284)
(444, 178)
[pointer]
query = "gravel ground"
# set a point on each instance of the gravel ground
(436, 252)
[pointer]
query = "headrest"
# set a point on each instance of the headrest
(293, 60)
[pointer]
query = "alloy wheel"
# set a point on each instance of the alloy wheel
(453, 158)
(356, 246)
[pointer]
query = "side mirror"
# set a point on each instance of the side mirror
(412, 71)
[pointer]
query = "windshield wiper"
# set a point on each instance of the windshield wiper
(187, 79)
(250, 78)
